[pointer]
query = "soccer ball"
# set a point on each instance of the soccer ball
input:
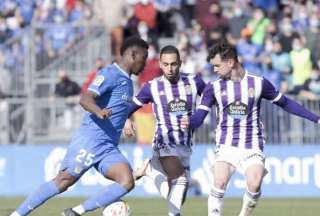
(119, 208)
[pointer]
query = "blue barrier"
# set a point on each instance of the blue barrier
(294, 171)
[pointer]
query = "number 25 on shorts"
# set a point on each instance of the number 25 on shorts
(85, 157)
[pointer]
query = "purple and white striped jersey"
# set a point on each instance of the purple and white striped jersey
(238, 109)
(170, 102)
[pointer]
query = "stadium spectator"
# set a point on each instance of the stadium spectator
(257, 26)
(271, 73)
(312, 36)
(173, 95)
(99, 64)
(249, 52)
(59, 37)
(66, 87)
(113, 21)
(236, 23)
(287, 34)
(5, 77)
(281, 62)
(69, 90)
(239, 148)
(98, 136)
(311, 87)
(209, 15)
(301, 63)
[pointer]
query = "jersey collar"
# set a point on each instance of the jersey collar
(120, 69)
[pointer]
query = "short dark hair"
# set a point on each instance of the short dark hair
(133, 41)
(169, 49)
(224, 49)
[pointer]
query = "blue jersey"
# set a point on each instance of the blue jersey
(115, 90)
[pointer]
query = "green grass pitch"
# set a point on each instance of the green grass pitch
(193, 207)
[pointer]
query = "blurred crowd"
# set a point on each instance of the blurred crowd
(275, 38)
(278, 39)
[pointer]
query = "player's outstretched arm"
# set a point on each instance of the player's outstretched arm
(270, 93)
(88, 102)
(295, 108)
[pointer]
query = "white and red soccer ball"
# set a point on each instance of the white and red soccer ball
(119, 208)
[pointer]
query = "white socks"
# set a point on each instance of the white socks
(79, 209)
(177, 194)
(215, 202)
(156, 173)
(249, 202)
(15, 214)
(178, 187)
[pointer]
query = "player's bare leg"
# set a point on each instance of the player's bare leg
(222, 172)
(142, 171)
(254, 176)
(178, 183)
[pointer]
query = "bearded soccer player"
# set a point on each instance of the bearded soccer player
(172, 96)
(95, 143)
(237, 96)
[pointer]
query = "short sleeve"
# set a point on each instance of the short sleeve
(144, 96)
(103, 82)
(269, 92)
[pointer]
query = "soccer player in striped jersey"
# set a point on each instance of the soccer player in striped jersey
(173, 96)
(95, 143)
(237, 96)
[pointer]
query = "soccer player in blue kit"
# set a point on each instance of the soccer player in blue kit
(95, 143)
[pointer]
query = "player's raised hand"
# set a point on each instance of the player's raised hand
(185, 122)
(104, 113)
(129, 128)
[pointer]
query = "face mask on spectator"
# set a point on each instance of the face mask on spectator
(238, 12)
(58, 19)
(152, 54)
(287, 28)
(303, 15)
(268, 47)
(12, 23)
(3, 27)
(142, 28)
(269, 66)
(144, 2)
(297, 47)
(314, 23)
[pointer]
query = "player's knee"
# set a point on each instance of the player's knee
(127, 182)
(253, 185)
(64, 181)
(220, 183)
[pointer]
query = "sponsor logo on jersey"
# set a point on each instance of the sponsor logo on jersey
(237, 110)
(178, 107)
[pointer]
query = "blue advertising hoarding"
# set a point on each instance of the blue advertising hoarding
(294, 171)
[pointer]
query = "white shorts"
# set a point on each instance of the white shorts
(241, 159)
(182, 152)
